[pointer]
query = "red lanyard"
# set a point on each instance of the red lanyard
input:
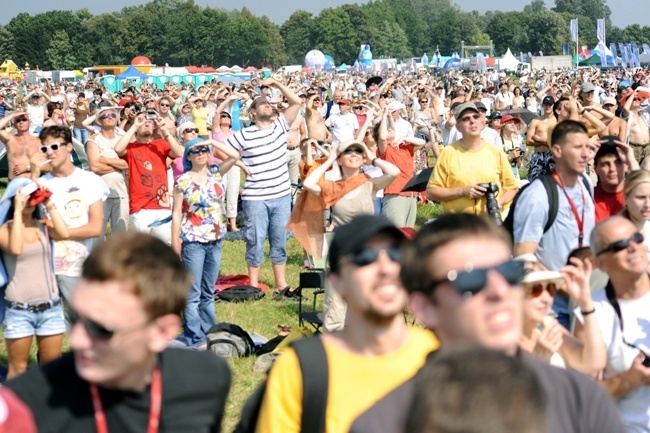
(579, 220)
(154, 412)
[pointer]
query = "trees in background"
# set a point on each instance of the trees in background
(179, 32)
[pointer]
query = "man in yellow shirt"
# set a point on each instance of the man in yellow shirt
(466, 164)
(372, 361)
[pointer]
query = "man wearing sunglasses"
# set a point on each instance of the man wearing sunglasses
(119, 375)
(21, 146)
(639, 136)
(464, 285)
(621, 309)
(104, 162)
(372, 361)
(467, 164)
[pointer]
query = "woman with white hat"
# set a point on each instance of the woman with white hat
(543, 336)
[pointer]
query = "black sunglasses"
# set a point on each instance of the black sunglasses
(469, 283)
(201, 149)
(186, 130)
(368, 256)
(94, 329)
(353, 150)
(623, 244)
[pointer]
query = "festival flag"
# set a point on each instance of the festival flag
(602, 51)
(635, 54)
(600, 29)
(541, 53)
(565, 49)
(574, 30)
(646, 49)
(621, 48)
(530, 55)
(521, 57)
(612, 48)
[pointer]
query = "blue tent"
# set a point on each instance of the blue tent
(132, 73)
(453, 63)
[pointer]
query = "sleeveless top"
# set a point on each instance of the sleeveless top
(31, 274)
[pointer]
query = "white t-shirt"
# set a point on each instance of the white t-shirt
(342, 127)
(634, 407)
(73, 196)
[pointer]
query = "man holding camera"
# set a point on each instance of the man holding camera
(621, 309)
(469, 167)
(146, 157)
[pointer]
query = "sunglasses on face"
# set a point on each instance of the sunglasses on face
(188, 130)
(54, 147)
(164, 105)
(201, 149)
(358, 108)
(536, 290)
(467, 118)
(623, 244)
(368, 256)
(95, 330)
(21, 119)
(353, 150)
(108, 116)
(469, 283)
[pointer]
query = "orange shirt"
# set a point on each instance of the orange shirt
(402, 157)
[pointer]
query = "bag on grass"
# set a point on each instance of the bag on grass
(228, 340)
(240, 294)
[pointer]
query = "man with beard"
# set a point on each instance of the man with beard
(266, 198)
(372, 361)
(20, 147)
(146, 157)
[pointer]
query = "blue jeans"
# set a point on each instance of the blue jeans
(81, 135)
(203, 261)
(264, 218)
(561, 308)
(379, 205)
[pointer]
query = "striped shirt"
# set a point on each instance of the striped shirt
(264, 151)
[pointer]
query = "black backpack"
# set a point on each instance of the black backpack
(553, 202)
(229, 341)
(240, 294)
(313, 367)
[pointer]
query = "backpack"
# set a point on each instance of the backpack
(553, 202)
(229, 341)
(240, 294)
(313, 367)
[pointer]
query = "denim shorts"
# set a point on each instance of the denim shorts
(23, 323)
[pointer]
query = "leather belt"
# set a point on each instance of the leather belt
(293, 148)
(639, 145)
(33, 308)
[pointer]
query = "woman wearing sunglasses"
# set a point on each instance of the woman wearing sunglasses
(636, 192)
(32, 301)
(543, 336)
(198, 227)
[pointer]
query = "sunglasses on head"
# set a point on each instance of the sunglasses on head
(471, 282)
(186, 130)
(537, 289)
(623, 244)
(200, 149)
(353, 150)
(368, 256)
(108, 116)
(54, 147)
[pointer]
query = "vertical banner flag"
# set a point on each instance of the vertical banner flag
(612, 48)
(621, 48)
(574, 30)
(600, 29)
(602, 51)
(521, 57)
(635, 54)
(646, 49)
(565, 49)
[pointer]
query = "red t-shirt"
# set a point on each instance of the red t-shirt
(402, 157)
(607, 204)
(147, 175)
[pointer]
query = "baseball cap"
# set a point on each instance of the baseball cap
(395, 105)
(349, 143)
(609, 101)
(587, 86)
(464, 107)
(548, 100)
(351, 237)
(344, 102)
(109, 108)
(480, 106)
(183, 126)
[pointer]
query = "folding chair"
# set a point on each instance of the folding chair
(314, 278)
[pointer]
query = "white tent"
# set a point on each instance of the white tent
(508, 61)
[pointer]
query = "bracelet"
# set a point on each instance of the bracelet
(586, 313)
(373, 161)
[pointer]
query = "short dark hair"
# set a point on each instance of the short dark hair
(558, 103)
(474, 389)
(414, 273)
(606, 149)
(56, 131)
(148, 267)
(564, 128)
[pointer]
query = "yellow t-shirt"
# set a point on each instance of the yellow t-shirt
(355, 384)
(200, 119)
(458, 167)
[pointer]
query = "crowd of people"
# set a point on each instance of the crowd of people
(557, 158)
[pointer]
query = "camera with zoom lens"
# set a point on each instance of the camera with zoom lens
(492, 205)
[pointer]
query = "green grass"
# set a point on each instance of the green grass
(261, 317)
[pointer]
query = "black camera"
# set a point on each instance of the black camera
(646, 360)
(492, 205)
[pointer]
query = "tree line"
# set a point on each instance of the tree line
(179, 32)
